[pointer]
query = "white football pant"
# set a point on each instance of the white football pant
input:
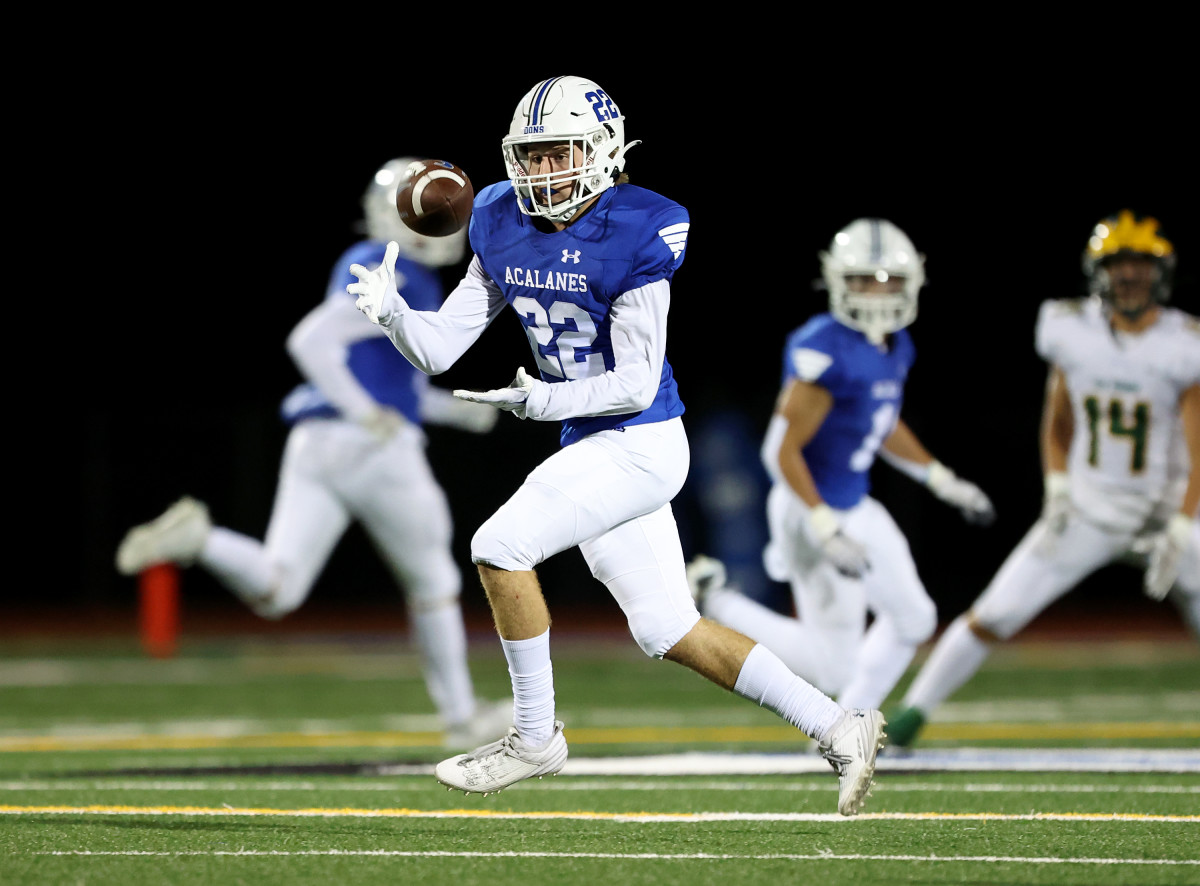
(609, 494)
(1029, 580)
(334, 472)
(828, 643)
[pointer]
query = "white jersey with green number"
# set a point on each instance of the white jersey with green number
(1128, 461)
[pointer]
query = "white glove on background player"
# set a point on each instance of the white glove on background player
(976, 507)
(1056, 510)
(383, 422)
(377, 287)
(846, 555)
(1165, 553)
(510, 399)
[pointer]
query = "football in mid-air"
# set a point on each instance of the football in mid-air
(434, 198)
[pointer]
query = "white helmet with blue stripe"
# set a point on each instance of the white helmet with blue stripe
(381, 220)
(873, 274)
(570, 111)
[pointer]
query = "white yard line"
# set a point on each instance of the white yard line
(649, 856)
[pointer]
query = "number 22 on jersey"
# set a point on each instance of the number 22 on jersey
(567, 327)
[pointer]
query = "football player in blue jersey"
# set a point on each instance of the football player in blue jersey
(839, 407)
(586, 261)
(355, 451)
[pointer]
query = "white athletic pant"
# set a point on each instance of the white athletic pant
(609, 494)
(859, 666)
(335, 472)
(1030, 580)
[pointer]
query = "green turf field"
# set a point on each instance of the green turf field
(298, 761)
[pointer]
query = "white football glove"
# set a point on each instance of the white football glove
(475, 417)
(1165, 554)
(374, 287)
(1056, 510)
(976, 507)
(383, 423)
(847, 556)
(510, 399)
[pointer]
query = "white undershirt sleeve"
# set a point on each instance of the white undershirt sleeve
(433, 340)
(918, 472)
(318, 346)
(639, 342)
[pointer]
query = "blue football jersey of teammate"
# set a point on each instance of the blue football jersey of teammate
(381, 369)
(867, 385)
(562, 284)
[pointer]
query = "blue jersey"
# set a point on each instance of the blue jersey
(563, 284)
(382, 370)
(867, 385)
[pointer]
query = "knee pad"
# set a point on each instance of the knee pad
(657, 630)
(430, 584)
(916, 624)
(985, 631)
(495, 543)
(285, 595)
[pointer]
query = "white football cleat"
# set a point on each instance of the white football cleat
(704, 574)
(176, 536)
(853, 743)
(490, 718)
(502, 763)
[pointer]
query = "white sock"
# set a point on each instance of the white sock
(882, 661)
(442, 639)
(954, 660)
(533, 687)
(765, 679)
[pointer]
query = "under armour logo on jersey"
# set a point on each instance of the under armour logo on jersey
(675, 236)
(573, 256)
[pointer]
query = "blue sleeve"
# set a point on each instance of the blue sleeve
(811, 356)
(663, 245)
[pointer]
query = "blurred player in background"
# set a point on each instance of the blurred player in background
(586, 260)
(844, 373)
(1120, 443)
(355, 452)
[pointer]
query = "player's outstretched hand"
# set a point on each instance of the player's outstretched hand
(1165, 556)
(972, 501)
(847, 555)
(383, 423)
(374, 286)
(510, 399)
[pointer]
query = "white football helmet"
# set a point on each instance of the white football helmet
(381, 220)
(566, 110)
(873, 248)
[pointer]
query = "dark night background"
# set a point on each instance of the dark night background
(232, 200)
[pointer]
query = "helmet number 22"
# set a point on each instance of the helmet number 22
(602, 105)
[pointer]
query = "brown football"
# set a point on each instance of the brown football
(434, 198)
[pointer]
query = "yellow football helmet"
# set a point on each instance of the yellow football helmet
(1128, 234)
